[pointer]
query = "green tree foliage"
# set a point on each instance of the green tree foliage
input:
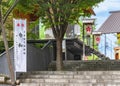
(57, 14)
(6, 7)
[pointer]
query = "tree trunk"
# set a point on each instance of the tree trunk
(59, 63)
(11, 69)
(10, 66)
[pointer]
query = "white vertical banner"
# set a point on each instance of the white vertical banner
(20, 46)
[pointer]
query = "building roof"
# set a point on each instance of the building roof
(112, 24)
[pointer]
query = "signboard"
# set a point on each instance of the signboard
(96, 33)
(97, 39)
(20, 47)
(88, 29)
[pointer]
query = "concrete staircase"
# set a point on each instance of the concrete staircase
(70, 78)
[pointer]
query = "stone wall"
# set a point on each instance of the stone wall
(89, 65)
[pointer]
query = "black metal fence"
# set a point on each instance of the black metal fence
(37, 59)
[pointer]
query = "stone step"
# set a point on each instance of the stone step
(53, 84)
(72, 72)
(58, 80)
(70, 78)
(75, 75)
(69, 84)
(110, 77)
(49, 76)
(50, 73)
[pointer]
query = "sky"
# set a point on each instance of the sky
(103, 9)
(102, 13)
